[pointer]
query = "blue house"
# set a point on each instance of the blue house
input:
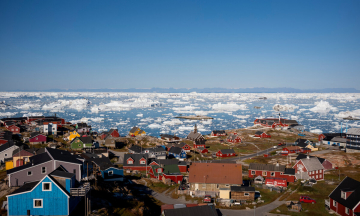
(112, 174)
(177, 152)
(49, 196)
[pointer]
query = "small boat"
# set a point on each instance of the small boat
(351, 118)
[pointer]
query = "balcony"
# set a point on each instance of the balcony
(80, 191)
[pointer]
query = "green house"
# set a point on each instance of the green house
(81, 143)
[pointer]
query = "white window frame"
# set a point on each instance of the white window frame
(142, 162)
(42, 170)
(334, 203)
(6, 155)
(246, 194)
(347, 210)
(42, 203)
(272, 174)
(264, 173)
(253, 172)
(111, 173)
(130, 162)
(50, 188)
(227, 185)
(30, 173)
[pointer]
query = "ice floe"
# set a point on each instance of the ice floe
(323, 107)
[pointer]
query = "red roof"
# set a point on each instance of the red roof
(216, 173)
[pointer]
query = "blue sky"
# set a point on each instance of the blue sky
(179, 44)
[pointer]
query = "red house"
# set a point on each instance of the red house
(171, 172)
(233, 138)
(262, 134)
(324, 162)
(291, 150)
(271, 171)
(37, 138)
(308, 168)
(305, 150)
(276, 182)
(217, 133)
(114, 133)
(345, 199)
(13, 128)
(199, 143)
(103, 135)
(226, 153)
(136, 162)
(162, 162)
(202, 150)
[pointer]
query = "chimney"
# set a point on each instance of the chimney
(195, 129)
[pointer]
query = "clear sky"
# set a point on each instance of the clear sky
(181, 44)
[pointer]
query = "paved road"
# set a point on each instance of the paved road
(261, 211)
(252, 155)
(167, 199)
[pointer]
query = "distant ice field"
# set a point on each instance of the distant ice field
(155, 112)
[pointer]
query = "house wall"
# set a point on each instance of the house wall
(116, 173)
(18, 178)
(175, 178)
(183, 168)
(209, 187)
(70, 168)
(289, 178)
(115, 134)
(219, 154)
(317, 174)
(40, 138)
(7, 153)
(327, 165)
(240, 195)
(55, 202)
(77, 144)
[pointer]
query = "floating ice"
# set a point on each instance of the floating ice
(354, 114)
(323, 107)
(317, 131)
(285, 107)
(229, 107)
(6, 114)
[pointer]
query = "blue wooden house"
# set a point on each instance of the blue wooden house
(49, 196)
(112, 174)
(177, 152)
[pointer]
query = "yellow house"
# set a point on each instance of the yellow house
(312, 148)
(73, 135)
(135, 131)
(9, 165)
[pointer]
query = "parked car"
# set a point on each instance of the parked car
(207, 199)
(306, 199)
(281, 144)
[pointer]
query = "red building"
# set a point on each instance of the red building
(345, 199)
(114, 133)
(13, 128)
(324, 162)
(309, 167)
(305, 150)
(171, 172)
(233, 138)
(276, 182)
(161, 162)
(226, 153)
(198, 144)
(37, 138)
(291, 150)
(274, 122)
(262, 134)
(202, 150)
(217, 133)
(136, 162)
(271, 171)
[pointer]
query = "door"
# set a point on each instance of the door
(196, 187)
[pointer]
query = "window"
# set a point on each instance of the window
(36, 138)
(264, 173)
(334, 203)
(203, 185)
(272, 173)
(347, 210)
(29, 173)
(159, 170)
(46, 186)
(343, 195)
(38, 203)
(316, 171)
(74, 171)
(227, 185)
(142, 162)
(111, 173)
(79, 145)
(5, 155)
(320, 171)
(246, 194)
(43, 169)
(253, 172)
(317, 177)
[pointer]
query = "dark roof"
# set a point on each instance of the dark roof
(103, 162)
(302, 144)
(259, 132)
(134, 129)
(241, 188)
(218, 131)
(36, 159)
(34, 134)
(86, 139)
(227, 151)
(289, 171)
(135, 148)
(175, 150)
(348, 184)
(25, 188)
(267, 167)
(62, 155)
(7, 145)
(169, 162)
(62, 174)
(136, 158)
(192, 211)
